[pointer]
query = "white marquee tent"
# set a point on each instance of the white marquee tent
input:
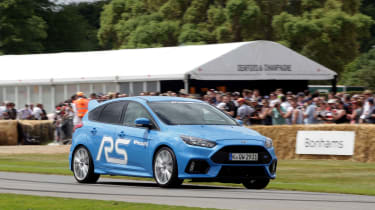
(51, 78)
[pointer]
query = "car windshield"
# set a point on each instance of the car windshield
(190, 113)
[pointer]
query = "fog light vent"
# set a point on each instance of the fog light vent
(273, 167)
(197, 167)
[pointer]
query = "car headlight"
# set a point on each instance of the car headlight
(268, 143)
(198, 141)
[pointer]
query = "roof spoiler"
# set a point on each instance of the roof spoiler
(93, 104)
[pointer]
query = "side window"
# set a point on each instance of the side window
(95, 113)
(111, 113)
(134, 111)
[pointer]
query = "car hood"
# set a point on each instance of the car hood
(216, 132)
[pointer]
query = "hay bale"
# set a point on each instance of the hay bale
(8, 132)
(284, 137)
(43, 130)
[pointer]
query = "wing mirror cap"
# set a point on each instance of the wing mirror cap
(240, 122)
(142, 122)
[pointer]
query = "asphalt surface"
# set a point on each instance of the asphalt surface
(186, 195)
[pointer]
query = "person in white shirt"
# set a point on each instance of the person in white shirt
(37, 113)
(366, 106)
(244, 111)
(2, 110)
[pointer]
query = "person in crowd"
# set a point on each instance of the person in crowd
(256, 96)
(370, 117)
(247, 94)
(235, 97)
(309, 114)
(25, 113)
(227, 106)
(67, 119)
(37, 112)
(357, 110)
(264, 115)
(295, 112)
(279, 93)
(58, 123)
(366, 106)
(93, 96)
(339, 115)
(273, 99)
(255, 116)
(80, 107)
(10, 112)
(219, 99)
(244, 111)
(2, 110)
(44, 113)
(277, 113)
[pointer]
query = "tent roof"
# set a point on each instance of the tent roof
(256, 60)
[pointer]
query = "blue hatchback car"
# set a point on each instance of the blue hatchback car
(169, 139)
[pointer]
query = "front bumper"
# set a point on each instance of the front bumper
(213, 164)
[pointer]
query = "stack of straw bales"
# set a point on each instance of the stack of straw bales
(284, 139)
(42, 130)
(8, 132)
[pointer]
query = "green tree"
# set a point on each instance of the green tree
(361, 71)
(74, 27)
(22, 28)
(368, 8)
(328, 35)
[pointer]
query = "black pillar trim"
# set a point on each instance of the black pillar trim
(334, 84)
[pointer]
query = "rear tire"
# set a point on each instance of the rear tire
(83, 166)
(165, 168)
(256, 183)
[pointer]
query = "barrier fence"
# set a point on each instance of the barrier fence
(284, 137)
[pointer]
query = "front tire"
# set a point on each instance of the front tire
(83, 166)
(256, 183)
(165, 168)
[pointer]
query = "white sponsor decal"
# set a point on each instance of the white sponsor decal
(140, 143)
(325, 142)
(109, 149)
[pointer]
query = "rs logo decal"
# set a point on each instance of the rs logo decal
(109, 149)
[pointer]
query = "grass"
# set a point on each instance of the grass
(27, 202)
(305, 175)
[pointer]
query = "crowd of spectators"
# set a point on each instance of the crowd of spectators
(249, 106)
(29, 112)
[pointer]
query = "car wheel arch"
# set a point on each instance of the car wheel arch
(156, 151)
(74, 150)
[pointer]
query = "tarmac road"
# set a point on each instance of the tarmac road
(187, 195)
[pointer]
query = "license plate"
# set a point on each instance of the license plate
(243, 156)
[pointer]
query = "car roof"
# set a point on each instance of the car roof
(155, 99)
(166, 98)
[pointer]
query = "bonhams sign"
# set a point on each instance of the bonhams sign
(265, 68)
(325, 142)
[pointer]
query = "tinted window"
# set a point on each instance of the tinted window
(94, 114)
(134, 111)
(111, 113)
(188, 113)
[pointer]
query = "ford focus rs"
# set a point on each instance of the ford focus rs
(169, 139)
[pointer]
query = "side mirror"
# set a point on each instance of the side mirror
(239, 122)
(143, 122)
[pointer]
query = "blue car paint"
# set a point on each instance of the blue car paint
(140, 156)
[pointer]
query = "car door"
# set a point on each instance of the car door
(140, 136)
(110, 149)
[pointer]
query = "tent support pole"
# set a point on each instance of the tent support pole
(186, 83)
(334, 84)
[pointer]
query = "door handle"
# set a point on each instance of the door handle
(93, 131)
(121, 134)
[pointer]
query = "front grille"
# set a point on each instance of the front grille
(222, 156)
(242, 172)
